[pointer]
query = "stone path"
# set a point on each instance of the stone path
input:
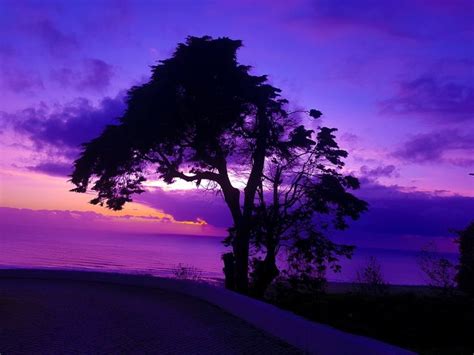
(80, 317)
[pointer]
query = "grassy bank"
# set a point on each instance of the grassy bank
(415, 319)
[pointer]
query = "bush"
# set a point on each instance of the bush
(187, 272)
(369, 278)
(427, 324)
(440, 271)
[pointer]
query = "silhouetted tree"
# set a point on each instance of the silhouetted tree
(465, 276)
(201, 117)
(302, 195)
(370, 278)
(440, 271)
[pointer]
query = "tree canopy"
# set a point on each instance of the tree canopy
(203, 116)
(198, 112)
(303, 195)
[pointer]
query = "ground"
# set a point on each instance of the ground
(78, 317)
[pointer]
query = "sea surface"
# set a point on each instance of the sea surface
(161, 255)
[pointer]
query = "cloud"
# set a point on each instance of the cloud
(57, 42)
(379, 171)
(52, 134)
(54, 169)
(433, 97)
(14, 77)
(94, 75)
(427, 20)
(19, 80)
(395, 214)
(55, 222)
(449, 146)
(189, 204)
(69, 125)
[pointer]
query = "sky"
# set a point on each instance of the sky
(395, 77)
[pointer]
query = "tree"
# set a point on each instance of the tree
(303, 193)
(370, 278)
(202, 118)
(439, 270)
(465, 276)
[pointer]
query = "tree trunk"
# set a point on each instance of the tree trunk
(236, 267)
(264, 274)
(242, 216)
(229, 270)
(241, 252)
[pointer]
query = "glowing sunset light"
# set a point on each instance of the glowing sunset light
(400, 98)
(236, 176)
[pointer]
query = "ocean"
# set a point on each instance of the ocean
(160, 255)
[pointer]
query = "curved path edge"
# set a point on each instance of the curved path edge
(309, 336)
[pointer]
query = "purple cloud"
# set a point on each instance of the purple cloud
(16, 78)
(392, 211)
(57, 42)
(432, 97)
(75, 223)
(97, 75)
(427, 20)
(67, 126)
(94, 75)
(417, 216)
(189, 205)
(19, 80)
(450, 146)
(54, 169)
(379, 171)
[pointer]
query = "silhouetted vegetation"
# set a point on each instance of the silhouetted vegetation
(203, 118)
(465, 276)
(440, 271)
(369, 278)
(186, 272)
(425, 323)
(302, 196)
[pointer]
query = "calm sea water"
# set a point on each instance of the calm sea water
(160, 254)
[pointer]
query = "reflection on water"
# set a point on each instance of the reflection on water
(151, 254)
(159, 254)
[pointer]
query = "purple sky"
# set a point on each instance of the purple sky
(396, 78)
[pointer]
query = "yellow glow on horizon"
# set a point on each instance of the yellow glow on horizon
(21, 189)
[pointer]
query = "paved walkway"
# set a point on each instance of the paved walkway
(80, 317)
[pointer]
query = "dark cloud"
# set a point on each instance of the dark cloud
(433, 97)
(74, 223)
(379, 171)
(97, 75)
(54, 169)
(67, 126)
(189, 205)
(14, 77)
(393, 211)
(94, 75)
(450, 146)
(395, 214)
(426, 20)
(20, 80)
(57, 42)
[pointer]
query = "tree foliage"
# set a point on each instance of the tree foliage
(303, 195)
(201, 117)
(465, 276)
(439, 270)
(200, 110)
(370, 278)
